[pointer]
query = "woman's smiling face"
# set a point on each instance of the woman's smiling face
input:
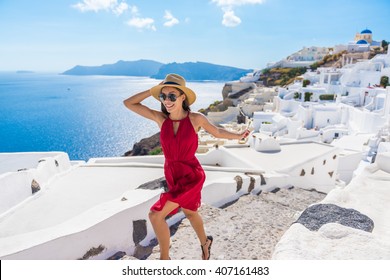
(168, 103)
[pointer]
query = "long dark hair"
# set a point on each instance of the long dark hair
(185, 105)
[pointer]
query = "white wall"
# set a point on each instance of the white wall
(15, 187)
(224, 117)
(260, 117)
(72, 239)
(288, 106)
(365, 122)
(305, 115)
(222, 157)
(320, 173)
(323, 118)
(12, 162)
(348, 163)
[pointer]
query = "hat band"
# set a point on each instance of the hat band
(171, 83)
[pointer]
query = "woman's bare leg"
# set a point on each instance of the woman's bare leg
(161, 229)
(197, 224)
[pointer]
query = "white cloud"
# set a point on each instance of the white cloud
(231, 3)
(230, 19)
(95, 5)
(142, 23)
(171, 20)
(134, 10)
(98, 5)
(121, 8)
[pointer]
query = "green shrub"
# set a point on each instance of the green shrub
(156, 151)
(308, 95)
(384, 81)
(265, 71)
(314, 66)
(327, 97)
(290, 81)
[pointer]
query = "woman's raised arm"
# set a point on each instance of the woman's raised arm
(217, 132)
(134, 104)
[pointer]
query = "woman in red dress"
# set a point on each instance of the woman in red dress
(179, 141)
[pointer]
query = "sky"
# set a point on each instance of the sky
(56, 35)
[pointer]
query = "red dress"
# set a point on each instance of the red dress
(183, 172)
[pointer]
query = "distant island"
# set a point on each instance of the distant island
(121, 68)
(192, 71)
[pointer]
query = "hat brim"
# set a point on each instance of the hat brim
(190, 95)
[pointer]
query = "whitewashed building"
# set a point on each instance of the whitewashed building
(302, 58)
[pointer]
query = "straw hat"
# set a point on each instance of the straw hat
(176, 81)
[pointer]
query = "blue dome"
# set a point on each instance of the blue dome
(366, 31)
(362, 42)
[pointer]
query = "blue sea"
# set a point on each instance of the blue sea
(83, 116)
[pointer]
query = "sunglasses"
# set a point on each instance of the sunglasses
(172, 97)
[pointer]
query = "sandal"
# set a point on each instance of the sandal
(209, 248)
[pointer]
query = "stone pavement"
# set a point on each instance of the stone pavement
(245, 230)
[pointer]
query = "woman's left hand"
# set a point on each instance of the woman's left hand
(245, 134)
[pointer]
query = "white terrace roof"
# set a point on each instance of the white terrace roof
(86, 201)
(290, 155)
(78, 191)
(11, 162)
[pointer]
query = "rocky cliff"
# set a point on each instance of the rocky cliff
(147, 146)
